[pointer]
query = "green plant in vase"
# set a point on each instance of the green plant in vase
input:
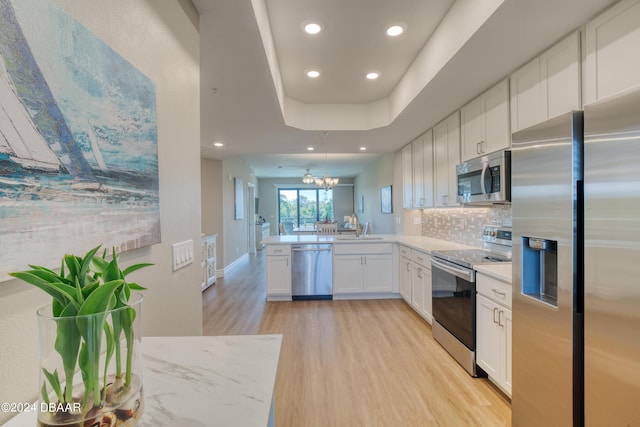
(91, 306)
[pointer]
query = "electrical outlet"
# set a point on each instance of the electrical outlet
(182, 254)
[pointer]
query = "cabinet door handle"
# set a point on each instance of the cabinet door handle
(408, 267)
(365, 260)
(287, 262)
(419, 273)
(495, 311)
(500, 318)
(502, 294)
(478, 149)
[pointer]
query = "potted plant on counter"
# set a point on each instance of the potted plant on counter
(90, 360)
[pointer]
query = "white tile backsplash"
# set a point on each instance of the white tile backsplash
(463, 225)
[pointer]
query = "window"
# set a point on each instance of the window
(302, 206)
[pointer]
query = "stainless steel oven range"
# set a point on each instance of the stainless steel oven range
(454, 293)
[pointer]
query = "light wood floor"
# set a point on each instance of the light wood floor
(352, 363)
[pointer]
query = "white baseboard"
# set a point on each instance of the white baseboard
(235, 264)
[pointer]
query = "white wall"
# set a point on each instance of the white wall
(212, 202)
(367, 184)
(160, 39)
(235, 243)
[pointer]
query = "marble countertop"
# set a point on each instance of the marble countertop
(500, 271)
(204, 381)
(426, 244)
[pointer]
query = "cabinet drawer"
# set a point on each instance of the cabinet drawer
(362, 248)
(421, 258)
(278, 250)
(493, 289)
(404, 251)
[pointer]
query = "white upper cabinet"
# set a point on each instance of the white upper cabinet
(407, 177)
(547, 86)
(612, 60)
(423, 170)
(446, 141)
(527, 107)
(485, 123)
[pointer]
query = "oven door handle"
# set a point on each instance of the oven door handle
(463, 273)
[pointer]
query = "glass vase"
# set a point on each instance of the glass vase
(91, 368)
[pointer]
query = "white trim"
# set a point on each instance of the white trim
(235, 264)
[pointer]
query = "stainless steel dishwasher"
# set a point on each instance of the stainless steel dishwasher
(312, 271)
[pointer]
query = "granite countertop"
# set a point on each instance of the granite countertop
(204, 381)
(426, 244)
(500, 271)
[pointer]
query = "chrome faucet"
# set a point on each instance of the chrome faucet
(354, 221)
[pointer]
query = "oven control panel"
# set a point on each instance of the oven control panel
(496, 234)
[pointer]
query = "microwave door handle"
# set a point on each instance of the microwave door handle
(485, 166)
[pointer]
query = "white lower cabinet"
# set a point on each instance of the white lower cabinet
(415, 280)
(405, 279)
(421, 284)
(347, 274)
(377, 273)
(362, 268)
(493, 330)
(278, 272)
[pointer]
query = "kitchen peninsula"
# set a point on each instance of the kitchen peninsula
(363, 267)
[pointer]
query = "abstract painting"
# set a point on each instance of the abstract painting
(78, 141)
(386, 200)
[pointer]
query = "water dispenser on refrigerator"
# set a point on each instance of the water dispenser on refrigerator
(540, 269)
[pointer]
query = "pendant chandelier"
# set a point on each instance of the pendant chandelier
(326, 182)
(308, 178)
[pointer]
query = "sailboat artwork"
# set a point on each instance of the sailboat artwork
(78, 141)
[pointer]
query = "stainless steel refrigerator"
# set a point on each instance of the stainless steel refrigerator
(576, 267)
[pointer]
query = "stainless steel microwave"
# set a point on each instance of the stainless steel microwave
(485, 179)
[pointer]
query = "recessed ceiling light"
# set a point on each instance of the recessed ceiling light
(394, 30)
(312, 27)
(218, 144)
(313, 74)
(310, 148)
(363, 148)
(373, 75)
